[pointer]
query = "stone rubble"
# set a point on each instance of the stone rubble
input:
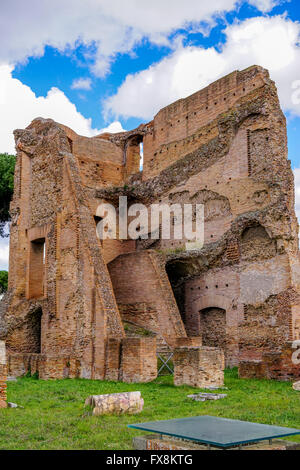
(296, 386)
(207, 396)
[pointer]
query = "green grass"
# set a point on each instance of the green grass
(54, 416)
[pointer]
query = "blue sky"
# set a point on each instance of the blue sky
(97, 64)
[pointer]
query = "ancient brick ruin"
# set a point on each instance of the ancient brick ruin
(3, 375)
(73, 300)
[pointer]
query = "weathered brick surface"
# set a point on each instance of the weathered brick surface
(144, 293)
(277, 365)
(151, 442)
(224, 147)
(3, 375)
(113, 359)
(139, 361)
(201, 367)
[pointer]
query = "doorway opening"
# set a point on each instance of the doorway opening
(213, 327)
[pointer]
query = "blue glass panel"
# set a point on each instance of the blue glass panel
(220, 432)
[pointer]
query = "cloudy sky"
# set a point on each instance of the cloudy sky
(111, 64)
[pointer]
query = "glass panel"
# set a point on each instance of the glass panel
(220, 432)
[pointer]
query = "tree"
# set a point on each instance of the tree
(3, 281)
(7, 168)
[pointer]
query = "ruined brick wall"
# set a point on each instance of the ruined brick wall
(144, 294)
(3, 375)
(66, 286)
(139, 361)
(224, 147)
(176, 128)
(283, 365)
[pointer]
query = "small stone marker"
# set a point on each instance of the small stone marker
(296, 386)
(116, 403)
(207, 396)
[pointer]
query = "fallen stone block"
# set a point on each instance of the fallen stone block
(207, 396)
(296, 386)
(13, 405)
(116, 403)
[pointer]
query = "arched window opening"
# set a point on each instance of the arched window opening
(134, 155)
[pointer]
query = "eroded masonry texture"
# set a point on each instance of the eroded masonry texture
(3, 375)
(78, 307)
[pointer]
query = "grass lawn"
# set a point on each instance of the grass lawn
(54, 416)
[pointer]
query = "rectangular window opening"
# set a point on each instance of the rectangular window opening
(37, 262)
(141, 156)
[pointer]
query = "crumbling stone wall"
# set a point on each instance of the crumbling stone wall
(224, 147)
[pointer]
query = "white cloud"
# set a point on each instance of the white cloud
(107, 25)
(19, 106)
(113, 128)
(272, 42)
(297, 191)
(81, 84)
(4, 251)
(266, 5)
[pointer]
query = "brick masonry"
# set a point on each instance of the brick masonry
(130, 360)
(69, 294)
(200, 367)
(151, 442)
(3, 375)
(139, 361)
(276, 365)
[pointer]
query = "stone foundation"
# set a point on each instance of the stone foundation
(277, 366)
(200, 367)
(46, 366)
(3, 375)
(128, 360)
(152, 442)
